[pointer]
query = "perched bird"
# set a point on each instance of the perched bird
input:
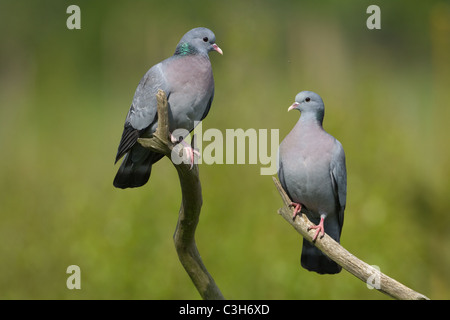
(187, 79)
(313, 173)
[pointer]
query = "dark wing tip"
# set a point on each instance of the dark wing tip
(129, 138)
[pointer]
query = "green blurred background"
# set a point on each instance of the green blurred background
(64, 95)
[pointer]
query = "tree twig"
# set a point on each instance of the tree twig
(341, 256)
(188, 217)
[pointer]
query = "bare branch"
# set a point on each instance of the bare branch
(188, 217)
(341, 256)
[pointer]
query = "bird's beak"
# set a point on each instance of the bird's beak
(293, 106)
(216, 47)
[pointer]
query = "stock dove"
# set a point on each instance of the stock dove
(187, 79)
(313, 173)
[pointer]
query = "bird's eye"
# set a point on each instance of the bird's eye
(205, 39)
(308, 99)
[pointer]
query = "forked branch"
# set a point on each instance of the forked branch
(188, 217)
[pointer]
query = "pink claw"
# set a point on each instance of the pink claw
(319, 228)
(297, 208)
(190, 152)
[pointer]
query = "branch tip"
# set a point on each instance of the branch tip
(341, 256)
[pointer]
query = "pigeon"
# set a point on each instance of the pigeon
(312, 171)
(187, 79)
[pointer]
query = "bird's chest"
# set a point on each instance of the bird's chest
(191, 89)
(308, 173)
(307, 169)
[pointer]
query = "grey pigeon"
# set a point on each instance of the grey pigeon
(187, 79)
(312, 171)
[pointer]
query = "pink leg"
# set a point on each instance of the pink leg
(297, 208)
(319, 228)
(186, 147)
(190, 152)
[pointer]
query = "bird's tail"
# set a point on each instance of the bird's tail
(314, 260)
(136, 168)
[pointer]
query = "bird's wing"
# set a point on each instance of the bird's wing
(338, 174)
(208, 106)
(281, 175)
(143, 109)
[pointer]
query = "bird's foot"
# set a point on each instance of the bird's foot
(297, 208)
(190, 151)
(319, 229)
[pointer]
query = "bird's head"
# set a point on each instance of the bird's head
(198, 40)
(309, 103)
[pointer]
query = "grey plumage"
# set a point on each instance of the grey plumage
(312, 171)
(187, 79)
